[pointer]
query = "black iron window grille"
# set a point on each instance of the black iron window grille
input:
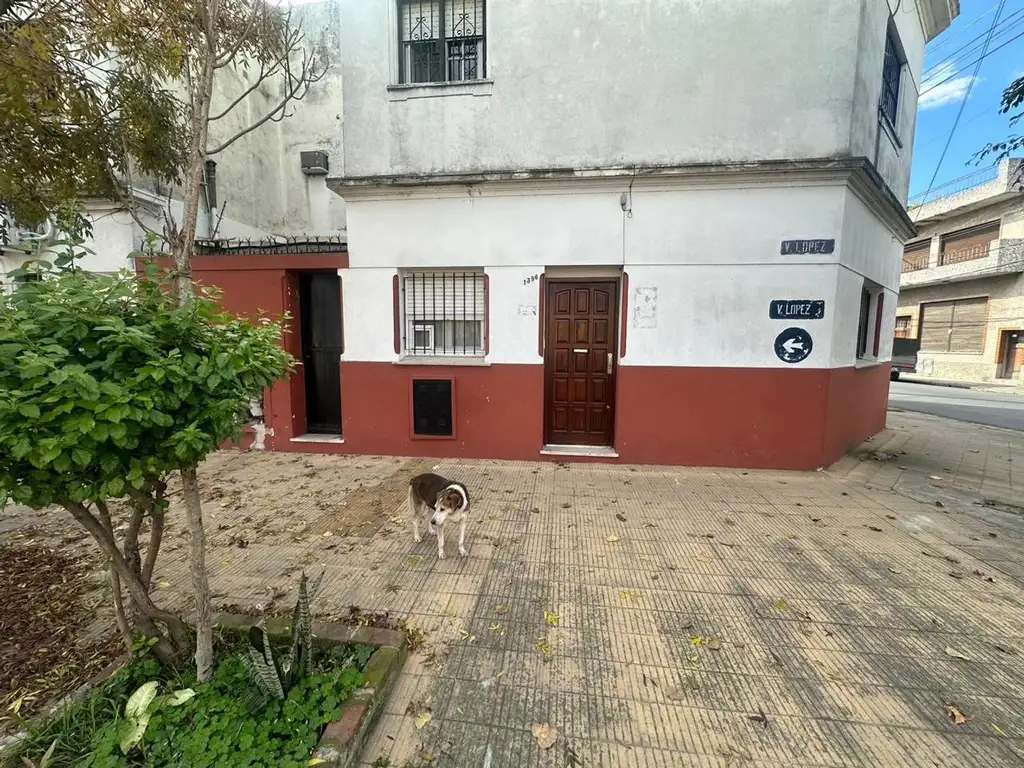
(444, 313)
(892, 70)
(442, 40)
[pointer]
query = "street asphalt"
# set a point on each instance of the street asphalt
(990, 408)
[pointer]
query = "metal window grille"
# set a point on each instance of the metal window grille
(902, 330)
(441, 40)
(444, 313)
(892, 69)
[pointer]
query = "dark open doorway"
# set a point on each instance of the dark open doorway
(320, 308)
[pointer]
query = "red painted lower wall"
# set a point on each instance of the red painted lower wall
(770, 418)
(858, 399)
(498, 410)
(725, 417)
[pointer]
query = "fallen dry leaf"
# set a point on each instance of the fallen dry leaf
(955, 714)
(544, 734)
(550, 617)
(955, 654)
(780, 604)
(760, 717)
(501, 608)
(611, 539)
(422, 719)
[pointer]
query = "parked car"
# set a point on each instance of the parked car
(904, 357)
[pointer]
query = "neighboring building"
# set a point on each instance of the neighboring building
(265, 185)
(962, 287)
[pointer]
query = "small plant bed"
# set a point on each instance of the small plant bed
(278, 698)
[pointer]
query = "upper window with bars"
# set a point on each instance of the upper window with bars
(444, 313)
(892, 74)
(441, 41)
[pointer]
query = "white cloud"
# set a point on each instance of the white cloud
(942, 86)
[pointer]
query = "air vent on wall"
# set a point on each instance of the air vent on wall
(432, 407)
(314, 163)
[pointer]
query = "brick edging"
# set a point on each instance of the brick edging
(343, 740)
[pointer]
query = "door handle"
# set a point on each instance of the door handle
(609, 370)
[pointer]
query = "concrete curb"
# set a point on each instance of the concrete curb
(936, 383)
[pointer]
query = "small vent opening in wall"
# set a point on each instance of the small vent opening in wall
(432, 407)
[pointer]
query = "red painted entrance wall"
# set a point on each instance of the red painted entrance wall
(773, 418)
(255, 284)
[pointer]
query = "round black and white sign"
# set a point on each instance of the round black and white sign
(793, 345)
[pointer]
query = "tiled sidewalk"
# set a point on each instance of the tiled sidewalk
(704, 617)
(664, 616)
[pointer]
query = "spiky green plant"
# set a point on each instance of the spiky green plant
(274, 678)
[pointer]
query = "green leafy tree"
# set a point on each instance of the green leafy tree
(94, 92)
(108, 385)
(1013, 98)
(75, 115)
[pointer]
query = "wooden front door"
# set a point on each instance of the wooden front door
(579, 362)
(1013, 353)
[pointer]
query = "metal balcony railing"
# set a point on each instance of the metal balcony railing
(966, 254)
(1007, 256)
(975, 179)
(915, 262)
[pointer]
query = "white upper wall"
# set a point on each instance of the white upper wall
(612, 83)
(710, 254)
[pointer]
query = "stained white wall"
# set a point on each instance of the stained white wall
(889, 150)
(612, 83)
(712, 253)
(259, 177)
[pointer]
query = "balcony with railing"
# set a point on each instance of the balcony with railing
(981, 187)
(1000, 257)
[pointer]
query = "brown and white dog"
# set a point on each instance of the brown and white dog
(442, 500)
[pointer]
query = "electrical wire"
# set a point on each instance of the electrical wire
(939, 44)
(1011, 21)
(933, 86)
(963, 101)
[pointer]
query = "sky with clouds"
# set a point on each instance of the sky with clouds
(949, 65)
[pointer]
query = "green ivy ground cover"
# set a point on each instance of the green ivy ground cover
(227, 724)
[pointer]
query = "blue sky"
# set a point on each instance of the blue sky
(940, 101)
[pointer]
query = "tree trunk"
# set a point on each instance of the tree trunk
(197, 565)
(119, 614)
(148, 611)
(156, 535)
(182, 249)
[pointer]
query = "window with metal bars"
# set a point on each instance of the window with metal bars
(444, 313)
(441, 40)
(892, 71)
(902, 330)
